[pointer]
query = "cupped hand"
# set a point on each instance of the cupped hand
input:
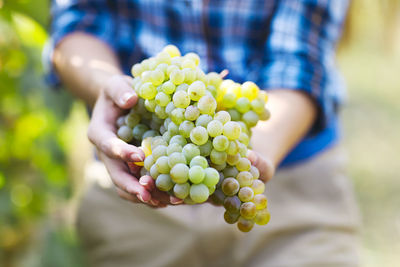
(114, 100)
(264, 165)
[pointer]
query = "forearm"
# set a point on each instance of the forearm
(84, 64)
(292, 115)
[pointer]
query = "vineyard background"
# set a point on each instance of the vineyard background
(43, 134)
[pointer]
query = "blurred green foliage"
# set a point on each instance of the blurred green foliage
(33, 174)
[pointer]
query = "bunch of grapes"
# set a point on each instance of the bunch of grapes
(194, 129)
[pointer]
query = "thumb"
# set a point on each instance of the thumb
(264, 165)
(119, 89)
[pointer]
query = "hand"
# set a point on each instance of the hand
(263, 164)
(113, 101)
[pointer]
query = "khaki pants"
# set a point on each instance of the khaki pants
(314, 222)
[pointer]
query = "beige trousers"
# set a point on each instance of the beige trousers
(314, 222)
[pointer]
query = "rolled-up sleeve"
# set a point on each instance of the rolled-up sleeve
(299, 53)
(93, 17)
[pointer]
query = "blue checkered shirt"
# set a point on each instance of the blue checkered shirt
(277, 44)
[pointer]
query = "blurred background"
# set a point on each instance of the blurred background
(43, 134)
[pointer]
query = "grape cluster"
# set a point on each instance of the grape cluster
(194, 129)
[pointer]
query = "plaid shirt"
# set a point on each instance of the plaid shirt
(277, 44)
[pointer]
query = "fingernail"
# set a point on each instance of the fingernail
(125, 97)
(136, 157)
(173, 201)
(154, 202)
(143, 183)
(140, 198)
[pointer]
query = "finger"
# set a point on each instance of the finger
(126, 196)
(122, 179)
(119, 89)
(175, 201)
(133, 168)
(265, 167)
(147, 182)
(162, 197)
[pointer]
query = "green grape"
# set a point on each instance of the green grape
(152, 63)
(248, 210)
(243, 105)
(136, 70)
(207, 105)
(214, 128)
(262, 217)
(192, 113)
(199, 193)
(173, 148)
(177, 61)
(160, 112)
(173, 128)
(182, 87)
(200, 75)
(154, 172)
(139, 130)
(199, 161)
(218, 167)
(171, 68)
(260, 201)
(230, 172)
(232, 204)
(120, 121)
(132, 119)
(245, 225)
(143, 172)
(213, 79)
(196, 90)
(233, 148)
(157, 77)
(218, 197)
(196, 174)
(180, 173)
(250, 90)
(161, 127)
(244, 178)
(159, 151)
(265, 115)
(203, 120)
(222, 116)
(250, 118)
(246, 194)
(168, 87)
(232, 130)
(162, 165)
(164, 182)
(149, 133)
(190, 151)
(172, 50)
(231, 218)
(178, 115)
(205, 150)
(212, 90)
(181, 190)
(162, 99)
(211, 189)
(244, 138)
(218, 157)
(163, 58)
(257, 105)
(156, 141)
(229, 100)
(190, 75)
(244, 128)
(242, 150)
(255, 172)
(244, 164)
(148, 162)
(175, 158)
(146, 76)
(220, 143)
(189, 201)
(235, 115)
(148, 91)
(185, 128)
(194, 57)
(125, 133)
(169, 108)
(221, 178)
(230, 186)
(137, 87)
(179, 140)
(199, 135)
(181, 99)
(166, 122)
(188, 63)
(140, 108)
(211, 177)
(150, 105)
(163, 67)
(177, 77)
(167, 136)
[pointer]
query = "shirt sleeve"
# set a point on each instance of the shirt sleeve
(93, 17)
(299, 53)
